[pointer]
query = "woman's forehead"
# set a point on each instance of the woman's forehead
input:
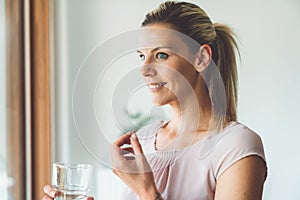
(156, 38)
(160, 38)
(153, 37)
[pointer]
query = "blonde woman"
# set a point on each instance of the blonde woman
(202, 152)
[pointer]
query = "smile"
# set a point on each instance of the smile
(153, 86)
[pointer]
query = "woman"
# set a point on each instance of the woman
(202, 152)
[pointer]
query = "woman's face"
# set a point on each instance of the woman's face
(167, 65)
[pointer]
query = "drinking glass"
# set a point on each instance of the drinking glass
(71, 181)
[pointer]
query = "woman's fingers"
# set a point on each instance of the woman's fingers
(127, 150)
(119, 157)
(141, 161)
(118, 154)
(124, 139)
(137, 148)
(49, 191)
(128, 159)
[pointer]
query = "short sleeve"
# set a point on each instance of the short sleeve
(234, 145)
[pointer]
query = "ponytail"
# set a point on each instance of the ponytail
(224, 54)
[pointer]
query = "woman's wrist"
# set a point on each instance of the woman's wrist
(153, 194)
(158, 196)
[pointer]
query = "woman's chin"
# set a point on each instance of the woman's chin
(162, 100)
(159, 102)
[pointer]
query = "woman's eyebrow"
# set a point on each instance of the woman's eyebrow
(157, 48)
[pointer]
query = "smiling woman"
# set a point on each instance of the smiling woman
(266, 89)
(202, 152)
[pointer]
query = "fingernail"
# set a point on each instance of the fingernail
(133, 136)
(47, 188)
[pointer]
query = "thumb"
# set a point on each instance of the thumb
(136, 145)
(90, 198)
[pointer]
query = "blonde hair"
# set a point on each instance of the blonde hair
(192, 21)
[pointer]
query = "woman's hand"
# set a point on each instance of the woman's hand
(130, 164)
(51, 193)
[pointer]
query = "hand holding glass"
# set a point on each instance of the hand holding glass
(71, 181)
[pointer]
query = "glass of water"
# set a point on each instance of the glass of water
(71, 181)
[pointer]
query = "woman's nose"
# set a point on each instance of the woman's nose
(148, 68)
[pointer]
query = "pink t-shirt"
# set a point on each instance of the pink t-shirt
(191, 173)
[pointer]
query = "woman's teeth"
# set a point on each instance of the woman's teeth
(153, 86)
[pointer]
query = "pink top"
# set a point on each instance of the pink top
(191, 173)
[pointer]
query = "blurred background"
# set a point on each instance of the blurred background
(268, 35)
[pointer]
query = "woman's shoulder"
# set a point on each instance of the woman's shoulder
(238, 137)
(238, 134)
(235, 142)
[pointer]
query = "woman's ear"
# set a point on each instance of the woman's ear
(203, 58)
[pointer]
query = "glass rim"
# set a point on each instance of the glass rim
(71, 165)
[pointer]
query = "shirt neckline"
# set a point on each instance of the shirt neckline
(164, 123)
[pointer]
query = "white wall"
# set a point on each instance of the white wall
(269, 44)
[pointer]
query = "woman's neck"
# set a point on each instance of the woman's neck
(191, 115)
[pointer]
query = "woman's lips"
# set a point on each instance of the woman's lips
(156, 86)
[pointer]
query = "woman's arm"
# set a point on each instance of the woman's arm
(243, 180)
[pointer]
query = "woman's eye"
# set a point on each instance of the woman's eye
(142, 57)
(161, 55)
